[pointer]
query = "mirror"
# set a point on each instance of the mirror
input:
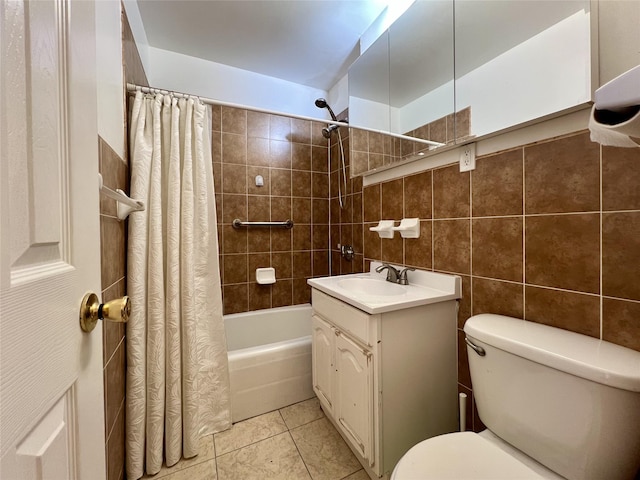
(514, 62)
(369, 90)
(421, 70)
(404, 84)
(518, 61)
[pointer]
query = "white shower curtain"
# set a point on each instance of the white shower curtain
(177, 372)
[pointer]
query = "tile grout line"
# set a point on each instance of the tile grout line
(601, 253)
(433, 249)
(299, 454)
(288, 430)
(294, 442)
(124, 277)
(549, 214)
(115, 350)
(251, 443)
(524, 238)
(404, 243)
(470, 242)
(257, 441)
(609, 297)
(557, 289)
(121, 408)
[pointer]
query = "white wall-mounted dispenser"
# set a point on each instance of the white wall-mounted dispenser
(615, 116)
(384, 228)
(409, 228)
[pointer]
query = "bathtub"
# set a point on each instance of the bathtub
(269, 359)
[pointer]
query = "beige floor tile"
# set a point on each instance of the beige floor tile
(201, 471)
(207, 452)
(324, 452)
(359, 475)
(275, 458)
(249, 431)
(302, 413)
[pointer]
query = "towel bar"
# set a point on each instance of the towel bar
(237, 223)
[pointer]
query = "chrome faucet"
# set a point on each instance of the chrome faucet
(392, 273)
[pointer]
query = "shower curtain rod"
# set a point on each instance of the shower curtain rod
(133, 88)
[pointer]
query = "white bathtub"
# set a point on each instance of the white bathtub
(269, 359)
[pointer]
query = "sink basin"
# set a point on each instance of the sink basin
(371, 293)
(371, 286)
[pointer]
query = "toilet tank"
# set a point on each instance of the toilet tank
(569, 401)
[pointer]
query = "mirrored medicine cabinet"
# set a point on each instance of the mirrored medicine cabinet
(452, 71)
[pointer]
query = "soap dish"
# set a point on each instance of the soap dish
(409, 228)
(384, 229)
(266, 276)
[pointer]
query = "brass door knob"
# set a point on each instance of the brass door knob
(117, 310)
(91, 310)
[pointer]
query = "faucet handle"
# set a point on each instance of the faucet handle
(392, 272)
(402, 278)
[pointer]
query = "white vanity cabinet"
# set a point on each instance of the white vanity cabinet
(354, 391)
(386, 381)
(343, 381)
(323, 360)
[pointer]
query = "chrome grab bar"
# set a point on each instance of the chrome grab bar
(237, 223)
(479, 350)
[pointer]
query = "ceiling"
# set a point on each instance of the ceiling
(309, 42)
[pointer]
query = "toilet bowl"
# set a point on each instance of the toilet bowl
(556, 404)
(467, 455)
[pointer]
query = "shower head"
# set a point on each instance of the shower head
(322, 103)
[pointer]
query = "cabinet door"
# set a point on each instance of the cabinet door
(323, 360)
(354, 394)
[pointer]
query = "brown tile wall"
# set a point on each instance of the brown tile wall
(548, 232)
(346, 220)
(115, 174)
(291, 156)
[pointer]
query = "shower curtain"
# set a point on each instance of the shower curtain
(177, 372)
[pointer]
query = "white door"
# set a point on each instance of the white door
(354, 394)
(322, 361)
(51, 390)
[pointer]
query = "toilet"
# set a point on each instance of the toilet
(556, 404)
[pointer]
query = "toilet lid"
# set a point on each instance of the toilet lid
(463, 455)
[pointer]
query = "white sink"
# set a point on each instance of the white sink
(371, 292)
(371, 286)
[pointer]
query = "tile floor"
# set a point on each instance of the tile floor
(294, 443)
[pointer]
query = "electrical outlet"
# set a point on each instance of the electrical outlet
(468, 157)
